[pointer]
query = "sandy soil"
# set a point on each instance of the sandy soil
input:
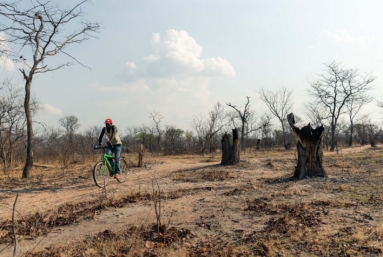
(211, 208)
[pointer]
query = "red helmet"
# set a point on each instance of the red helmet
(108, 121)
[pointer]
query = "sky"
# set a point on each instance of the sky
(179, 58)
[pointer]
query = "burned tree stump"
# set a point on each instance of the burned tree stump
(258, 144)
(230, 152)
(309, 147)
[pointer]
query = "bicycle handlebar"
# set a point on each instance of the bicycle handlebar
(100, 146)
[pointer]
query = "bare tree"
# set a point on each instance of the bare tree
(244, 117)
(334, 89)
(157, 118)
(70, 124)
(207, 130)
(279, 104)
(353, 109)
(40, 27)
(380, 102)
(67, 153)
(12, 121)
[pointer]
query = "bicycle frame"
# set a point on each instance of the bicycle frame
(106, 159)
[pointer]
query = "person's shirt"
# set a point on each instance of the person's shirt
(112, 134)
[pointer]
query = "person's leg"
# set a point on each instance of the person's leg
(117, 153)
(109, 151)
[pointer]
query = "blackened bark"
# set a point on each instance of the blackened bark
(309, 147)
(230, 152)
(236, 150)
(258, 145)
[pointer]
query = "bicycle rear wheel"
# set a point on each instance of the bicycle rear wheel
(123, 170)
(100, 174)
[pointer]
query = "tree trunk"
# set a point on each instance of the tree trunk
(141, 156)
(350, 142)
(285, 144)
(258, 144)
(230, 152)
(29, 158)
(332, 148)
(309, 147)
(242, 136)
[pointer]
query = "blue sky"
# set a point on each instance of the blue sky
(180, 57)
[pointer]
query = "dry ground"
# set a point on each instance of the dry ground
(251, 209)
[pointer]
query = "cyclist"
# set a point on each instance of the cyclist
(114, 143)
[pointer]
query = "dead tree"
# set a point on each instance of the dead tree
(157, 118)
(208, 129)
(244, 117)
(353, 108)
(279, 104)
(309, 147)
(40, 27)
(335, 89)
(230, 152)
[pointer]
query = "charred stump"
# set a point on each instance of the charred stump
(258, 144)
(230, 152)
(309, 147)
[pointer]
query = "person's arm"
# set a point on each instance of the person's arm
(101, 136)
(114, 131)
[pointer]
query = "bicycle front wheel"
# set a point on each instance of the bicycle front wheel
(100, 174)
(123, 170)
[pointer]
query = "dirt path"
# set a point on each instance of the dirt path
(33, 200)
(212, 201)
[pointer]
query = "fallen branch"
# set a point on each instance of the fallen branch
(13, 226)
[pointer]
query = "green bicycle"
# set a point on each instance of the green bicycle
(103, 169)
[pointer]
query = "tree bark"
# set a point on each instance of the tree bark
(242, 135)
(258, 144)
(332, 148)
(230, 152)
(309, 147)
(141, 157)
(29, 158)
(350, 142)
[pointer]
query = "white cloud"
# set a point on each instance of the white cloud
(175, 81)
(6, 64)
(152, 58)
(130, 67)
(52, 110)
(180, 54)
(137, 85)
(218, 66)
(344, 37)
(156, 38)
(3, 43)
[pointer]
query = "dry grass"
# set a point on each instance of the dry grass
(250, 209)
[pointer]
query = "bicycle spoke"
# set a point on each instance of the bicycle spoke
(123, 170)
(100, 174)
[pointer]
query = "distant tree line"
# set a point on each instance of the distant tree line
(336, 100)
